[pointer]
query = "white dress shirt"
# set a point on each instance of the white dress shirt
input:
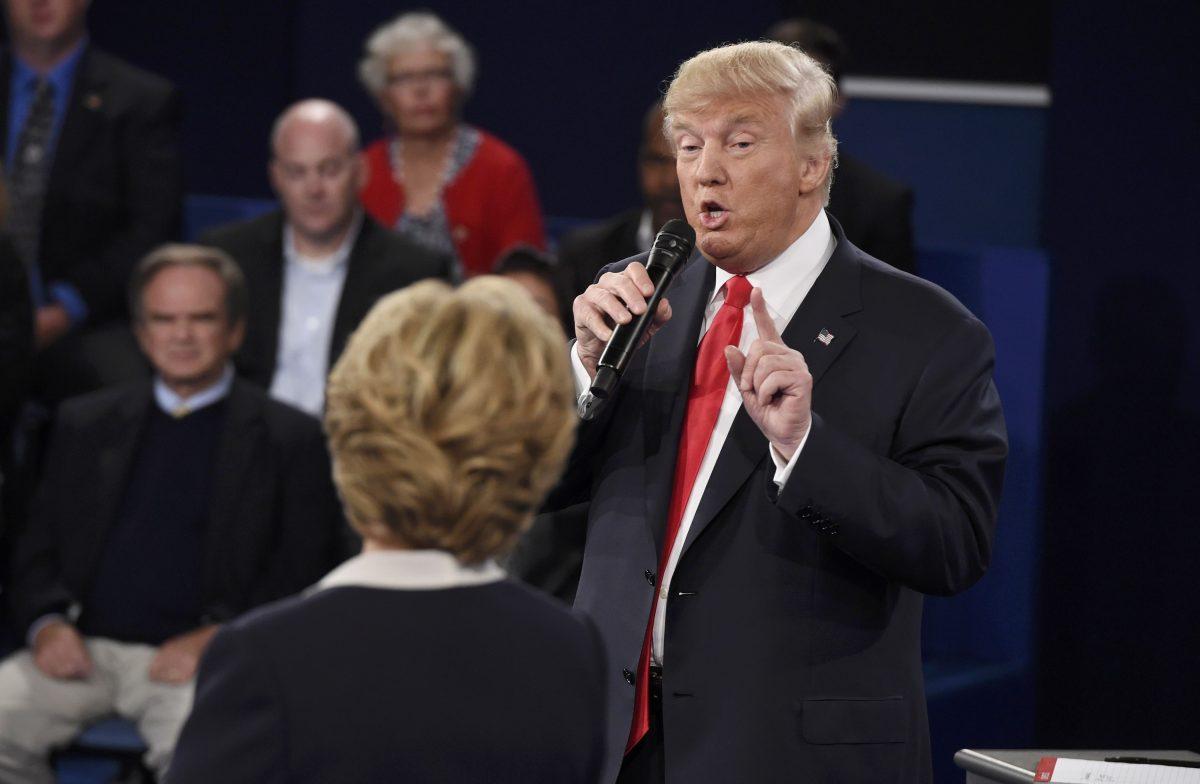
(785, 282)
(412, 570)
(312, 289)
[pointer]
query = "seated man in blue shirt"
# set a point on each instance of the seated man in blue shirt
(166, 509)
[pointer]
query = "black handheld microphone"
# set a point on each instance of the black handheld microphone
(671, 249)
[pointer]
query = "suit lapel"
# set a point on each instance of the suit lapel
(85, 113)
(236, 445)
(834, 295)
(669, 359)
(357, 290)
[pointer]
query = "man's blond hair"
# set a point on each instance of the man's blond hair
(450, 415)
(762, 69)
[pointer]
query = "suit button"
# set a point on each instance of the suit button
(649, 576)
(628, 677)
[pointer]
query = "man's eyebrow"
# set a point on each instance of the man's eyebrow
(746, 119)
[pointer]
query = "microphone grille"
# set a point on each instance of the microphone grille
(681, 229)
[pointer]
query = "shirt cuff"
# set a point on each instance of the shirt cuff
(783, 468)
(69, 297)
(583, 381)
(39, 624)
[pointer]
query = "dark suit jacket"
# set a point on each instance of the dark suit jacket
(875, 211)
(274, 520)
(491, 683)
(380, 262)
(793, 627)
(115, 189)
(585, 251)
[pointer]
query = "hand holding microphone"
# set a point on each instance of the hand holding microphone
(620, 312)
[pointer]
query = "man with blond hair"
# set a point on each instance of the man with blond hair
(809, 442)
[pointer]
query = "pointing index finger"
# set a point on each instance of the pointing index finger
(762, 319)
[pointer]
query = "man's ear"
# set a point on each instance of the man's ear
(813, 173)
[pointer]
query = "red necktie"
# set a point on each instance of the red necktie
(710, 377)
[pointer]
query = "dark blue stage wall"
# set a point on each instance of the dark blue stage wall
(564, 82)
(1121, 595)
(1106, 180)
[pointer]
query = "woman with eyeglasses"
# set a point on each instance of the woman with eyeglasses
(448, 185)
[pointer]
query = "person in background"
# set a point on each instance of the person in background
(449, 416)
(583, 252)
(449, 186)
(874, 209)
(315, 267)
(168, 507)
(94, 179)
(16, 351)
(537, 274)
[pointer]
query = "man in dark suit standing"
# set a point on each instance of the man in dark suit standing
(90, 147)
(874, 210)
(809, 442)
(167, 508)
(583, 252)
(315, 268)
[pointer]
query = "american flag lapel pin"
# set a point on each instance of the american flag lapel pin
(826, 337)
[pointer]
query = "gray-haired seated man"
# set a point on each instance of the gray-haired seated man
(167, 507)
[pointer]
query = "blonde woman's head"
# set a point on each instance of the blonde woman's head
(450, 415)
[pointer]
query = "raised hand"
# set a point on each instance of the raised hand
(774, 381)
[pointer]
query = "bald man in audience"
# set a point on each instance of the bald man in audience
(316, 266)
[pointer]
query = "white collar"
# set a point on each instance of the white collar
(645, 231)
(786, 279)
(410, 570)
(327, 265)
(171, 402)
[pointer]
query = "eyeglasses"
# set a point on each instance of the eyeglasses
(415, 78)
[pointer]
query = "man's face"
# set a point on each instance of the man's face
(656, 173)
(747, 190)
(184, 331)
(46, 21)
(317, 177)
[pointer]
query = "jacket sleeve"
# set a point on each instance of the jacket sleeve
(924, 515)
(236, 730)
(152, 183)
(35, 586)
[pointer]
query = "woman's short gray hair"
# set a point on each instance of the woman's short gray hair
(409, 32)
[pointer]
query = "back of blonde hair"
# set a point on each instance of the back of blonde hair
(761, 69)
(450, 415)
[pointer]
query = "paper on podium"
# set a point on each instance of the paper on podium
(1064, 770)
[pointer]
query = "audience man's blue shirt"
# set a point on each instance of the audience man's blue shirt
(21, 89)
